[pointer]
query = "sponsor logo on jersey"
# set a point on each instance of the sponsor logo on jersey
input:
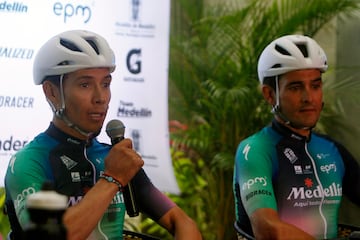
(246, 151)
(308, 169)
(298, 169)
(21, 197)
(72, 140)
(322, 156)
(302, 170)
(290, 154)
(328, 168)
(68, 162)
(257, 180)
(257, 192)
(73, 200)
(118, 198)
(296, 136)
(333, 190)
(75, 177)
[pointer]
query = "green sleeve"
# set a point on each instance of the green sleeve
(253, 173)
(25, 175)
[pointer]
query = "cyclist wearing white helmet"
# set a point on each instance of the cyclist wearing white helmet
(75, 69)
(287, 54)
(66, 53)
(289, 180)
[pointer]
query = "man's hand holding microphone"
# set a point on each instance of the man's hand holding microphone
(122, 163)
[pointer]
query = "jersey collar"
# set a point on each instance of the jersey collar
(283, 130)
(61, 136)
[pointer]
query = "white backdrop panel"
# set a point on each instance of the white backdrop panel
(137, 30)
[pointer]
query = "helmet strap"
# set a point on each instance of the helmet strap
(277, 110)
(60, 113)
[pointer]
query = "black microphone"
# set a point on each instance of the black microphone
(115, 129)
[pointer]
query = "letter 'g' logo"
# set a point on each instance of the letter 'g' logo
(133, 61)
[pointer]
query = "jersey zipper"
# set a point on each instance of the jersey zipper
(94, 181)
(321, 189)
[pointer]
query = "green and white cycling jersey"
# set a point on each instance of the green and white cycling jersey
(73, 166)
(303, 180)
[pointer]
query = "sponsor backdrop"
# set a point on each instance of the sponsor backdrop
(137, 30)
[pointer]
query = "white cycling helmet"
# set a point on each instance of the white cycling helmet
(289, 53)
(71, 51)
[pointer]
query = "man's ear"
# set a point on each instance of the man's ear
(51, 92)
(269, 94)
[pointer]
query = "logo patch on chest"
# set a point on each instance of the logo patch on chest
(290, 154)
(68, 162)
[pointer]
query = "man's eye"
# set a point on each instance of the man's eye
(84, 85)
(107, 84)
(294, 88)
(317, 86)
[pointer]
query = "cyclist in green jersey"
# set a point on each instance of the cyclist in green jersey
(75, 69)
(289, 180)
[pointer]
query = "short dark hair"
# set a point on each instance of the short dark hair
(270, 81)
(55, 79)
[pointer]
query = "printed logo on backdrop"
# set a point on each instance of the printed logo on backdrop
(132, 23)
(135, 8)
(130, 110)
(9, 145)
(133, 61)
(16, 53)
(16, 102)
(136, 136)
(134, 64)
(13, 7)
(70, 13)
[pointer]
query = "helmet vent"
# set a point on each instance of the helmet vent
(93, 45)
(69, 45)
(63, 63)
(303, 49)
(281, 50)
(73, 47)
(278, 65)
